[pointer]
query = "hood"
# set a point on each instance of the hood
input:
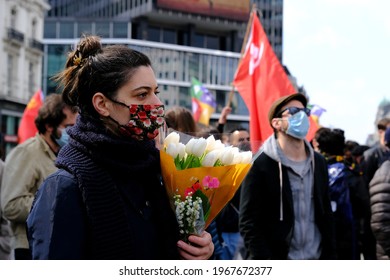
(272, 149)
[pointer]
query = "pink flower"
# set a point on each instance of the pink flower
(210, 182)
(147, 122)
(160, 120)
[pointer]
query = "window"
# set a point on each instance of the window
(84, 28)
(199, 40)
(10, 69)
(153, 34)
(49, 30)
(31, 84)
(120, 30)
(169, 36)
(212, 42)
(34, 29)
(102, 29)
(66, 30)
(13, 18)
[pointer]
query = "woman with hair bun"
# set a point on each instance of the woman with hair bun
(107, 200)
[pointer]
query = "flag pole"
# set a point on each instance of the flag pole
(248, 27)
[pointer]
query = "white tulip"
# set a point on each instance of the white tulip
(237, 156)
(235, 150)
(172, 150)
(199, 147)
(246, 157)
(210, 158)
(181, 150)
(210, 143)
(218, 145)
(189, 145)
(227, 156)
(172, 137)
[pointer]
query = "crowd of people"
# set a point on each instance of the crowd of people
(88, 185)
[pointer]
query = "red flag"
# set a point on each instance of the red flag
(260, 79)
(27, 126)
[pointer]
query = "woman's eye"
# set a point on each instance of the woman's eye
(157, 92)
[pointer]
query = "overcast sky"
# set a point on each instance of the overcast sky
(339, 50)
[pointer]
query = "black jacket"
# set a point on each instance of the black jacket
(380, 209)
(266, 235)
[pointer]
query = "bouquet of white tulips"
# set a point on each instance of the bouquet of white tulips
(203, 152)
(202, 170)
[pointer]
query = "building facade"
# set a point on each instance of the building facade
(184, 39)
(21, 51)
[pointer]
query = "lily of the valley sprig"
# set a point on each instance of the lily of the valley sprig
(201, 152)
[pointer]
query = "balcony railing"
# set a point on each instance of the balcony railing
(13, 34)
(35, 44)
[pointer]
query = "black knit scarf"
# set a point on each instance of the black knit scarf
(93, 154)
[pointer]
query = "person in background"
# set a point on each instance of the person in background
(181, 119)
(228, 219)
(240, 138)
(348, 194)
(29, 163)
(285, 210)
(349, 159)
(374, 156)
(357, 155)
(222, 123)
(107, 200)
(371, 161)
(5, 228)
(380, 205)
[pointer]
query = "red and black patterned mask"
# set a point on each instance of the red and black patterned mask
(145, 120)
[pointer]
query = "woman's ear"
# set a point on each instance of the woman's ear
(99, 102)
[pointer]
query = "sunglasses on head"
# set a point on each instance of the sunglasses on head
(294, 110)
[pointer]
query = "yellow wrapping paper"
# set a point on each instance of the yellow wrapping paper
(177, 181)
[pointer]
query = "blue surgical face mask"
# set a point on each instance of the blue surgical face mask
(64, 139)
(298, 125)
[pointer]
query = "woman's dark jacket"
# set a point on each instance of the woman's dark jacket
(105, 202)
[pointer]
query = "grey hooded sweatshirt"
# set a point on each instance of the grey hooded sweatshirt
(306, 237)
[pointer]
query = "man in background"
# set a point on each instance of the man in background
(29, 163)
(5, 228)
(285, 210)
(372, 159)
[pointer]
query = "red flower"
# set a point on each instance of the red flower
(147, 107)
(196, 186)
(133, 109)
(137, 130)
(153, 135)
(188, 191)
(142, 115)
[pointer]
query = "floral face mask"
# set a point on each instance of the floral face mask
(145, 120)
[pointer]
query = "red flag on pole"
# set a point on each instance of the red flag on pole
(27, 126)
(260, 79)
